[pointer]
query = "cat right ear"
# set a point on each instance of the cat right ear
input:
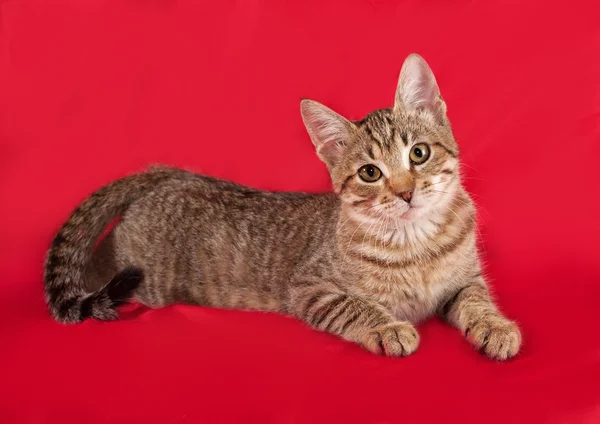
(329, 131)
(418, 90)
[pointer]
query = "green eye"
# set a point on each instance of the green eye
(419, 153)
(369, 173)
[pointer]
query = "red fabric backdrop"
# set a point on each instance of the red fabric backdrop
(92, 90)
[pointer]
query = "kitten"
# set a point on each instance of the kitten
(392, 246)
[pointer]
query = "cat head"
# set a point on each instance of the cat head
(400, 162)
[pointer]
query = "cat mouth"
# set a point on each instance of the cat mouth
(410, 212)
(392, 211)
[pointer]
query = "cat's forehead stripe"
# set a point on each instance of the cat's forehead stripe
(371, 153)
(380, 126)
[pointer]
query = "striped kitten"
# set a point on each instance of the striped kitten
(392, 246)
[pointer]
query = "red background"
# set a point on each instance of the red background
(92, 90)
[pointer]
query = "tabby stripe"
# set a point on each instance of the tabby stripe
(393, 135)
(349, 321)
(341, 311)
(388, 119)
(324, 311)
(376, 261)
(369, 132)
(376, 320)
(358, 202)
(371, 153)
(378, 139)
(345, 183)
(456, 242)
(311, 302)
(451, 247)
(404, 138)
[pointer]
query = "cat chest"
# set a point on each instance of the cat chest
(411, 294)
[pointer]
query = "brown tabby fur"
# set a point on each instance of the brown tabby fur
(361, 263)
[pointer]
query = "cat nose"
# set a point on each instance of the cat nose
(406, 196)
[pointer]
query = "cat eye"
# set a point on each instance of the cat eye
(419, 153)
(369, 173)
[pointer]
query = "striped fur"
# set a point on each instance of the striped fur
(362, 263)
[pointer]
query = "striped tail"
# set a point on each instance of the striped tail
(72, 248)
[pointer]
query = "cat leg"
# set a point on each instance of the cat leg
(472, 310)
(355, 319)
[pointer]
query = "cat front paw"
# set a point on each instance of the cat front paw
(395, 339)
(495, 336)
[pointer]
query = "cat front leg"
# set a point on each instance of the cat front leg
(355, 319)
(472, 310)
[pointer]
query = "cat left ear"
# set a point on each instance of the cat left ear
(329, 131)
(418, 90)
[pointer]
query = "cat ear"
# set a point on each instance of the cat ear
(329, 131)
(417, 89)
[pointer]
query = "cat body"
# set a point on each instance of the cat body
(393, 245)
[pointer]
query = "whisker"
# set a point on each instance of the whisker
(440, 182)
(469, 166)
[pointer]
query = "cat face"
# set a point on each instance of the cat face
(399, 163)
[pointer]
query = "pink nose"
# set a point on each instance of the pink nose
(406, 196)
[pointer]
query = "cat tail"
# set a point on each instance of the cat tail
(71, 251)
